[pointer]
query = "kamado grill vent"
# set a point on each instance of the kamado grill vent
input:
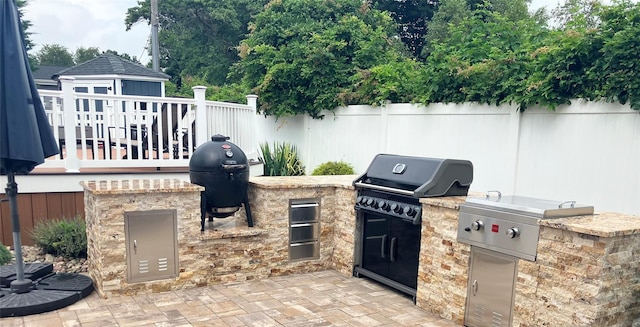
(223, 169)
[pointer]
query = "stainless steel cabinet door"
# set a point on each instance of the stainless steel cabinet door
(490, 291)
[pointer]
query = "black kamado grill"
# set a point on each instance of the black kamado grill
(223, 169)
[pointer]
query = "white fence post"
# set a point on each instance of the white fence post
(202, 125)
(252, 101)
(71, 163)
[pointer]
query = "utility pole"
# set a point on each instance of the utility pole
(154, 36)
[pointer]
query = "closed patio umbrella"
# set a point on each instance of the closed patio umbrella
(26, 138)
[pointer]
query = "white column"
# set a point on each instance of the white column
(202, 125)
(71, 161)
(252, 101)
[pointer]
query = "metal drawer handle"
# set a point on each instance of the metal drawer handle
(304, 205)
(301, 225)
(474, 287)
(571, 204)
(487, 195)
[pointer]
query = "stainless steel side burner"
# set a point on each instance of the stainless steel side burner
(502, 229)
(510, 224)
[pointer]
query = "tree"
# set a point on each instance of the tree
(26, 24)
(199, 38)
(487, 58)
(54, 55)
(453, 12)
(123, 55)
(301, 55)
(83, 54)
(572, 12)
(412, 17)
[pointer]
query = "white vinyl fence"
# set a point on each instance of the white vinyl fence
(587, 152)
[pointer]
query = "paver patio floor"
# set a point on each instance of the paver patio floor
(325, 298)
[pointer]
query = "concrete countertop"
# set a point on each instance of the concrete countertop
(341, 181)
(130, 186)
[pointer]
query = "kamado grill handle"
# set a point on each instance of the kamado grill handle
(234, 167)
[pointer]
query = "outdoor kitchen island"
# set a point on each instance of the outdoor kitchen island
(586, 272)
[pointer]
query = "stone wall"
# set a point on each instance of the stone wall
(580, 280)
(228, 250)
(444, 263)
(106, 242)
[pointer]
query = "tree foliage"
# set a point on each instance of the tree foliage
(411, 17)
(54, 55)
(198, 38)
(301, 54)
(85, 54)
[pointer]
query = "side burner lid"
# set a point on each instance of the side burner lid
(539, 208)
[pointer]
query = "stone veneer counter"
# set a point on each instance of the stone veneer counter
(585, 273)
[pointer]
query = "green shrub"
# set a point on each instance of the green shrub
(5, 255)
(65, 237)
(282, 160)
(334, 168)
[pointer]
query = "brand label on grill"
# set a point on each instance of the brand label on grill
(495, 228)
(399, 168)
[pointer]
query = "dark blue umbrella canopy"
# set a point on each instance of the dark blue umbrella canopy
(26, 138)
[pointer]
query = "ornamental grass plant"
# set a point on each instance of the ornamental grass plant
(281, 160)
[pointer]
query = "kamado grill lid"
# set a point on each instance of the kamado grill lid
(539, 208)
(417, 176)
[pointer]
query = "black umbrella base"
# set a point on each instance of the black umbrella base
(48, 293)
(33, 271)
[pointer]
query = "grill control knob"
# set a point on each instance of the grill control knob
(410, 211)
(360, 199)
(370, 201)
(374, 204)
(477, 225)
(385, 205)
(397, 209)
(513, 232)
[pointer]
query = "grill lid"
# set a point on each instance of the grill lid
(417, 176)
(539, 208)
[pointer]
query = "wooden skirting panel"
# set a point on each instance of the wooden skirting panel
(35, 207)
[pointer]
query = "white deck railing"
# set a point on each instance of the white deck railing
(140, 131)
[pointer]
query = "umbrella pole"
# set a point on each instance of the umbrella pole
(20, 285)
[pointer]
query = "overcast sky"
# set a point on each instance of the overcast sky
(93, 23)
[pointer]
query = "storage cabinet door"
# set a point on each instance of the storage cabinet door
(152, 251)
(491, 289)
(375, 245)
(404, 252)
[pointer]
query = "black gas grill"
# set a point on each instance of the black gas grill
(389, 213)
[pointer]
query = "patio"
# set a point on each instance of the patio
(325, 298)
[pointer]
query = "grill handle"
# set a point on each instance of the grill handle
(393, 250)
(383, 247)
(233, 167)
(384, 188)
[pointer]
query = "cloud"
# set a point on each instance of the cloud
(77, 23)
